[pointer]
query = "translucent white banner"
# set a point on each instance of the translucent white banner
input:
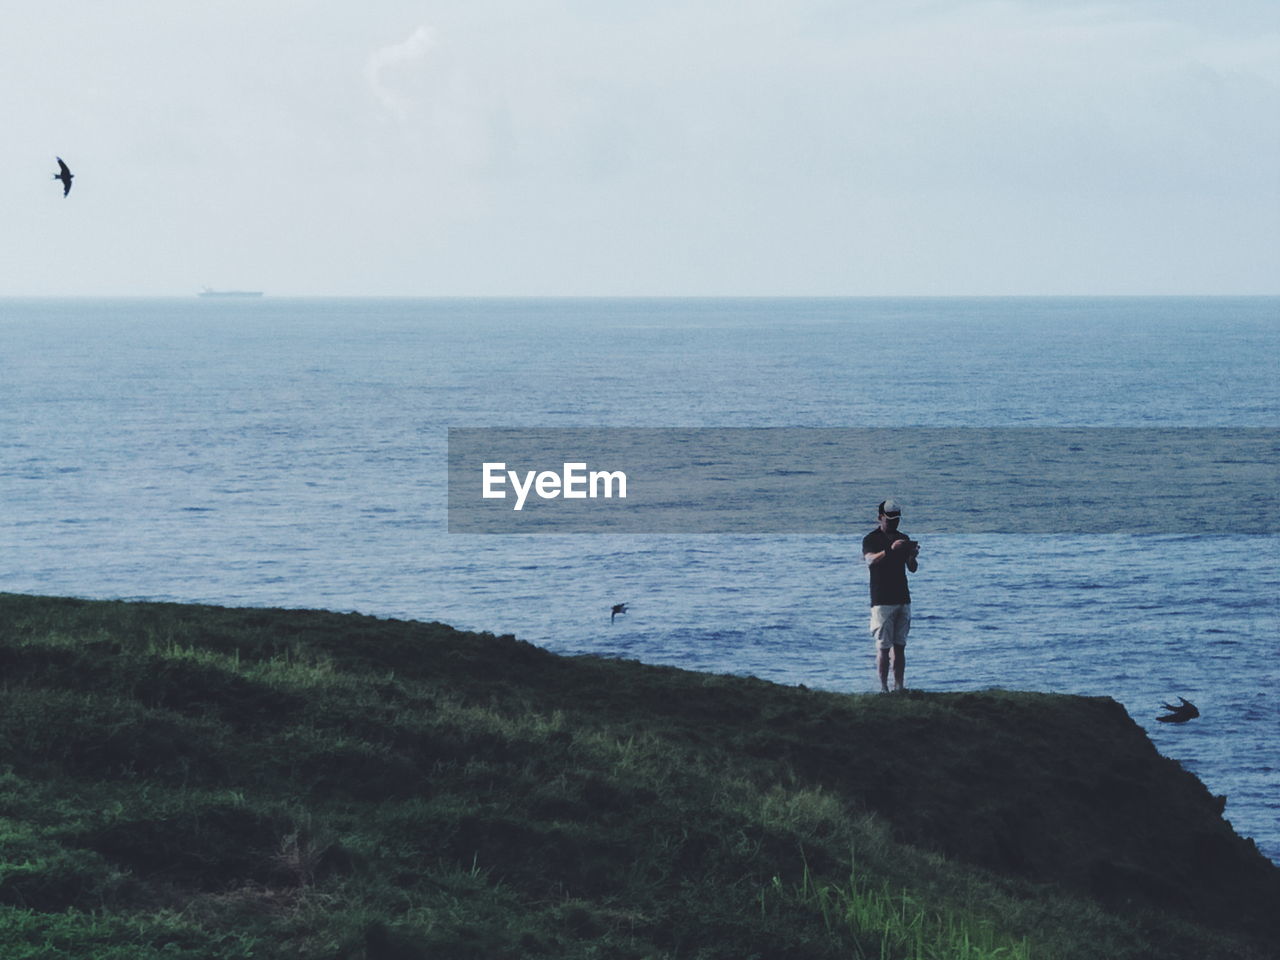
(829, 480)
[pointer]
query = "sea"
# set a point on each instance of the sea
(293, 453)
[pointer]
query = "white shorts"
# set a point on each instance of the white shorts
(890, 623)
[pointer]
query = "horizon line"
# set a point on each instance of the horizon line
(648, 296)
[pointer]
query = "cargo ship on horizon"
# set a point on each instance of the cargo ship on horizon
(207, 292)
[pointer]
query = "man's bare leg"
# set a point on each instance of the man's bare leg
(899, 667)
(882, 668)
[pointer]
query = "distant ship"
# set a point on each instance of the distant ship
(206, 292)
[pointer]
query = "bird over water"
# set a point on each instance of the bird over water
(1184, 711)
(64, 174)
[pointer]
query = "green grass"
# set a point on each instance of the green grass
(884, 923)
(183, 781)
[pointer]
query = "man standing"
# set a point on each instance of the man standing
(890, 554)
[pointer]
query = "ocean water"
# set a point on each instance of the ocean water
(293, 453)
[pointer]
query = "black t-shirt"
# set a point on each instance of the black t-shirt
(889, 576)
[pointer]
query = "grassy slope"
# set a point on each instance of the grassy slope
(205, 782)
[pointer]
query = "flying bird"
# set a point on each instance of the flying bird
(617, 609)
(1185, 711)
(64, 174)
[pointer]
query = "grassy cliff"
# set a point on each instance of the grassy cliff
(188, 781)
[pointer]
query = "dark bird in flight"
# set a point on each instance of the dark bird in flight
(64, 174)
(1181, 713)
(617, 609)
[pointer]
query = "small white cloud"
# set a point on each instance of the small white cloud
(385, 62)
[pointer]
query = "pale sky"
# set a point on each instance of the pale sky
(617, 147)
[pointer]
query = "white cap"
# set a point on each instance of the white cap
(891, 508)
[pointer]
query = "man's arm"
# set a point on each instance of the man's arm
(872, 557)
(910, 547)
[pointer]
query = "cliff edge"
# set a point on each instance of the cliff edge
(185, 780)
